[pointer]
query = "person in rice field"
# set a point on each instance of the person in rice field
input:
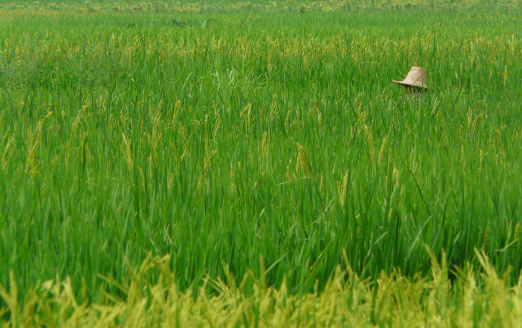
(415, 84)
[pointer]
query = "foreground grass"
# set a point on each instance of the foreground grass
(471, 300)
(246, 136)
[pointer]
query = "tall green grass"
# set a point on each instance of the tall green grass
(246, 137)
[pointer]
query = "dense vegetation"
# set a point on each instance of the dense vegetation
(262, 138)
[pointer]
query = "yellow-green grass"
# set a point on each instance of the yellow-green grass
(392, 300)
(228, 6)
(225, 138)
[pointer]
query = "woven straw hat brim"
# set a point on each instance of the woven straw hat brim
(411, 84)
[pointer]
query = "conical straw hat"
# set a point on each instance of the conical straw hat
(417, 77)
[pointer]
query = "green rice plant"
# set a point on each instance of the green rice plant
(471, 300)
(254, 137)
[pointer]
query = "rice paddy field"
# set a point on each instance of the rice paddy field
(224, 163)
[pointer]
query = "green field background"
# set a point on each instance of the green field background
(265, 141)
